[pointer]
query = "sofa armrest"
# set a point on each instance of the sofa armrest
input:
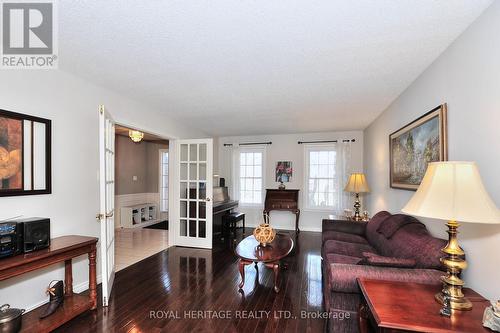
(350, 227)
(343, 277)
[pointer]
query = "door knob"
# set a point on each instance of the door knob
(207, 199)
(99, 217)
(111, 213)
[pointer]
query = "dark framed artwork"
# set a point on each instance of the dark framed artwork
(415, 145)
(25, 154)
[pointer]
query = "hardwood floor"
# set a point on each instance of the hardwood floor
(183, 283)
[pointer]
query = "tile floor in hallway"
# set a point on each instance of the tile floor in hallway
(134, 245)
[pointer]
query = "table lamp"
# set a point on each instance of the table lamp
(357, 184)
(453, 191)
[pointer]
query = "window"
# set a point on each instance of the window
(163, 180)
(326, 171)
(250, 171)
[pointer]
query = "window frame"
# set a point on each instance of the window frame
(161, 175)
(237, 180)
(307, 149)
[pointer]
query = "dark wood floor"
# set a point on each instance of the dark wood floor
(183, 279)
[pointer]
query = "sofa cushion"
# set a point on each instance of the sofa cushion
(346, 248)
(343, 237)
(414, 241)
(390, 225)
(333, 258)
(373, 259)
(342, 277)
(374, 238)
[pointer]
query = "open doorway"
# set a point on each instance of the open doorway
(141, 195)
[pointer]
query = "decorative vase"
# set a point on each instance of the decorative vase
(281, 186)
(264, 234)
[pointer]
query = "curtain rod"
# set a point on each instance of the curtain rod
(326, 141)
(249, 144)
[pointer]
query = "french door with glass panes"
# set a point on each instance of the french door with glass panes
(194, 225)
(107, 201)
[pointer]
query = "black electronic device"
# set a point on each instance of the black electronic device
(9, 240)
(33, 233)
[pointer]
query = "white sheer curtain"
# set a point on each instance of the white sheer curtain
(344, 170)
(328, 168)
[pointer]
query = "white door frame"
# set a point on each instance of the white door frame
(171, 160)
(173, 178)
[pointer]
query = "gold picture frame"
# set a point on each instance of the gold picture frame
(413, 146)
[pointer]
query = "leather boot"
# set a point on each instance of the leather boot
(56, 292)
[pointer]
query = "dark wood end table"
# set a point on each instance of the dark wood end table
(410, 307)
(250, 251)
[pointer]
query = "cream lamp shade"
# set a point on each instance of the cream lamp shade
(357, 184)
(453, 191)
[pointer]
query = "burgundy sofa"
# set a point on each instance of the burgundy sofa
(389, 247)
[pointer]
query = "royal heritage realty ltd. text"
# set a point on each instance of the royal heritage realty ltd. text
(258, 314)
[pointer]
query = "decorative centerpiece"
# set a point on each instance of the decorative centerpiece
(264, 233)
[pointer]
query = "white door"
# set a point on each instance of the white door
(194, 195)
(107, 201)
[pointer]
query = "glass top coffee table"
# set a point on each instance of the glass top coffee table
(250, 251)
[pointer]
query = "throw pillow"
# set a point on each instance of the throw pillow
(389, 226)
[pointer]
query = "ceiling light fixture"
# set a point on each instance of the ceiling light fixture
(136, 136)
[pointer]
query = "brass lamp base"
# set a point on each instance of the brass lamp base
(462, 304)
(452, 284)
(357, 206)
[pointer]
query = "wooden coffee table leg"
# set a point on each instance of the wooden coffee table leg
(276, 269)
(242, 265)
(275, 266)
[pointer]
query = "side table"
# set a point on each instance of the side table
(390, 306)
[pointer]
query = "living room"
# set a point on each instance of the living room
(279, 117)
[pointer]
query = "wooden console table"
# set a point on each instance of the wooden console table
(62, 249)
(392, 306)
(287, 200)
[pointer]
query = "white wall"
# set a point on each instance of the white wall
(285, 148)
(72, 105)
(467, 77)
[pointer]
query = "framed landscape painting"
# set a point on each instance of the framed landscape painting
(415, 145)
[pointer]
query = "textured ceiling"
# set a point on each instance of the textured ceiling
(253, 67)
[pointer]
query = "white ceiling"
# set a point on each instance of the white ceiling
(262, 66)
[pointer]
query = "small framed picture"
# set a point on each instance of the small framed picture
(284, 171)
